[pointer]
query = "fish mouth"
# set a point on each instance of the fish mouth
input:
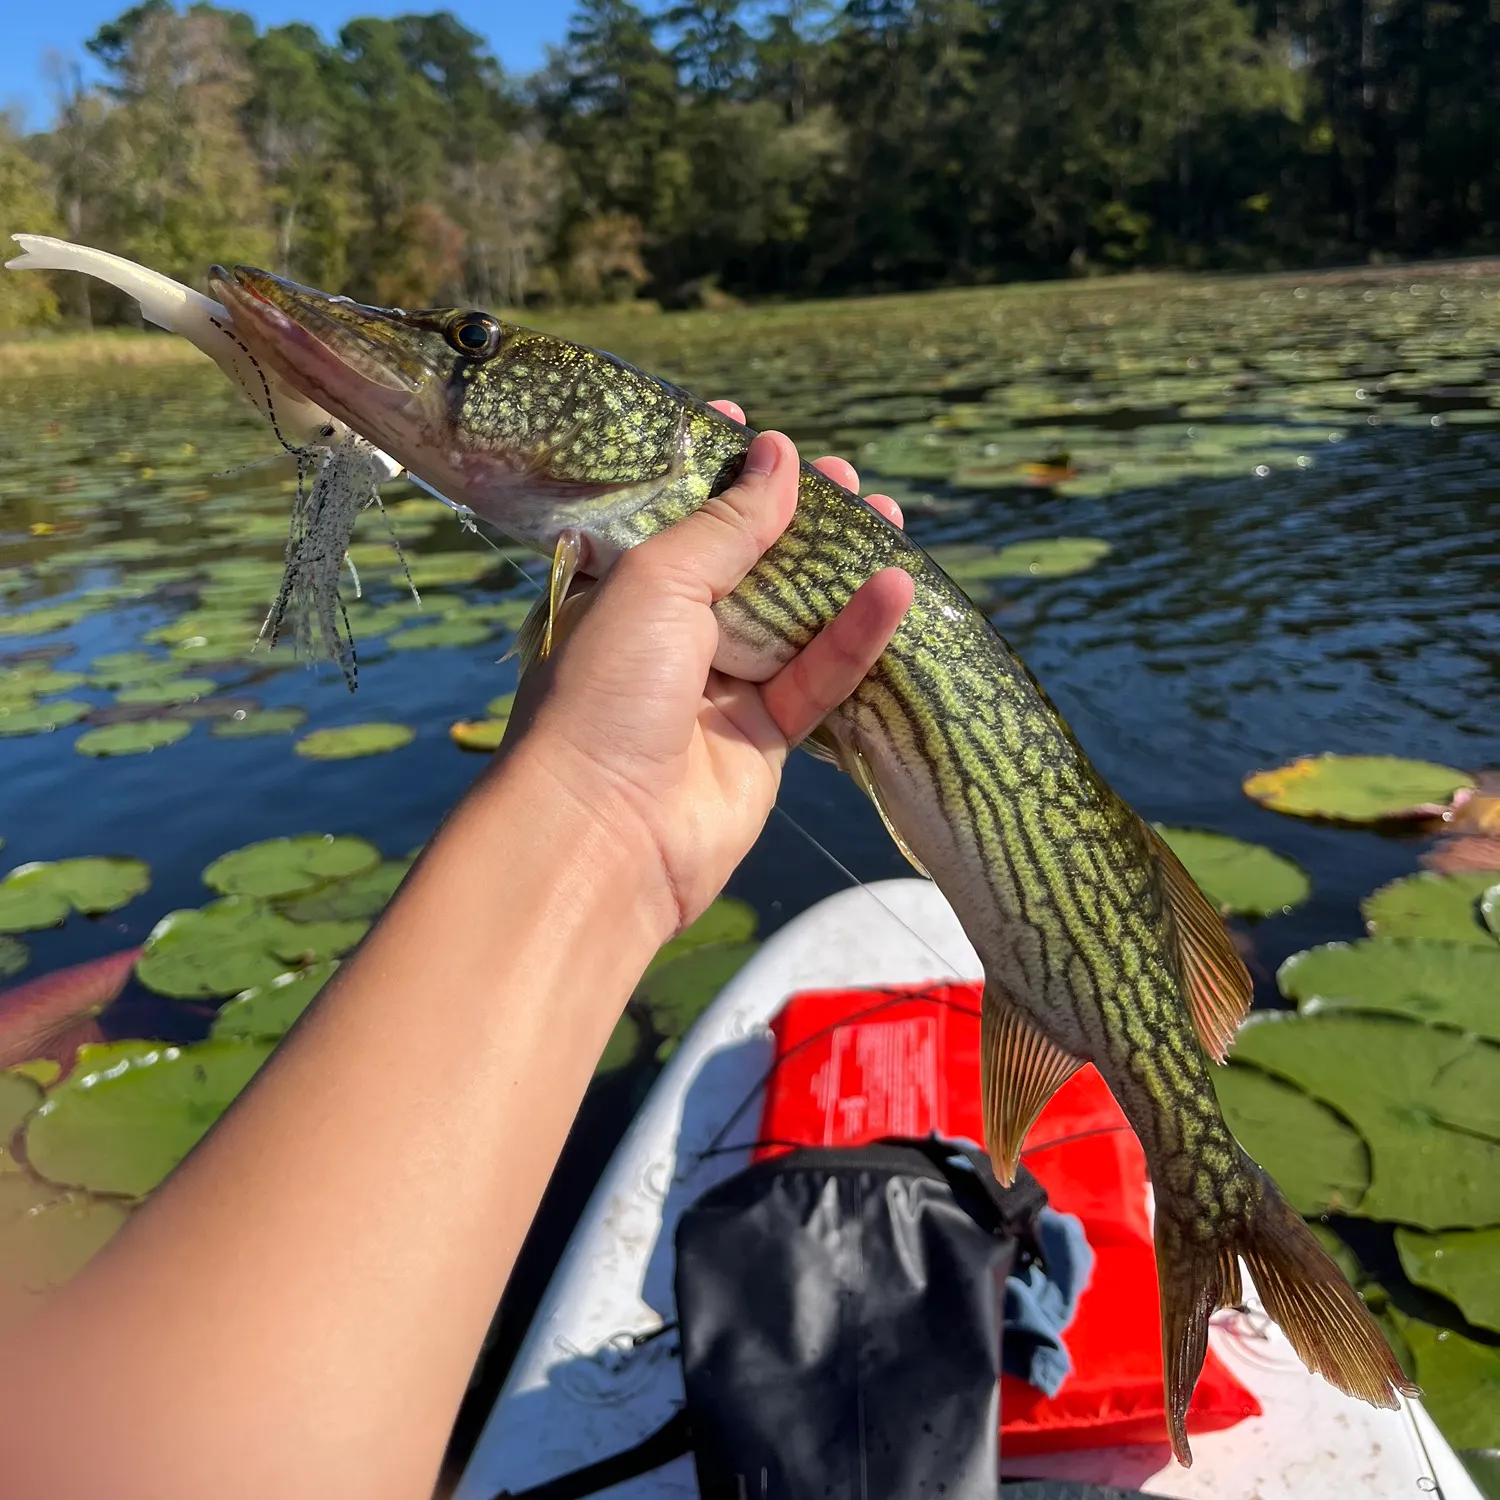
(359, 362)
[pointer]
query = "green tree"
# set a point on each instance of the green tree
(26, 206)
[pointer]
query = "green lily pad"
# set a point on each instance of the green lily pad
(501, 707)
(1247, 879)
(1448, 984)
(1445, 907)
(128, 669)
(727, 920)
(623, 1046)
(460, 632)
(1463, 1265)
(1426, 1100)
(14, 956)
(168, 690)
(44, 620)
(138, 738)
(1483, 1464)
(252, 725)
(122, 1129)
(1045, 557)
(677, 992)
(232, 945)
(1317, 1159)
(31, 900)
(41, 718)
(434, 570)
(19, 1095)
(482, 735)
(1489, 909)
(289, 866)
(1460, 1381)
(1357, 788)
(49, 1244)
(354, 740)
(39, 683)
(364, 895)
(268, 1010)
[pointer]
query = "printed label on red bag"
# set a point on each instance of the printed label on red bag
(880, 1079)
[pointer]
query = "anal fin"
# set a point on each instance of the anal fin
(1020, 1069)
(1219, 988)
(823, 744)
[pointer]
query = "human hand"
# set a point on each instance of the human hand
(627, 714)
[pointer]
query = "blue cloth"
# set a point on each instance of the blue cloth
(1040, 1303)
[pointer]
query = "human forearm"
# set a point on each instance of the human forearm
(323, 1268)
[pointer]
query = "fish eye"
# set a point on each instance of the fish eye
(475, 334)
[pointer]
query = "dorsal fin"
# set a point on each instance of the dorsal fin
(822, 744)
(1219, 989)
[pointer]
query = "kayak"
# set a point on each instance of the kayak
(597, 1372)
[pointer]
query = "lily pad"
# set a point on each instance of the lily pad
(1247, 879)
(168, 690)
(1448, 984)
(31, 900)
(483, 735)
(132, 739)
(19, 1095)
(677, 992)
(1045, 557)
(1430, 906)
(727, 920)
(41, 718)
(364, 895)
(460, 632)
(39, 682)
(1460, 1381)
(501, 707)
(14, 956)
(121, 1129)
(231, 945)
(289, 866)
(1489, 908)
(49, 1244)
(1426, 1100)
(1357, 788)
(268, 1010)
(432, 570)
(47, 618)
(354, 740)
(1317, 1159)
(248, 726)
(1463, 1265)
(623, 1046)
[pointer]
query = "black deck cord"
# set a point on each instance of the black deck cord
(671, 1440)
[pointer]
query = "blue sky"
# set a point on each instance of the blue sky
(518, 32)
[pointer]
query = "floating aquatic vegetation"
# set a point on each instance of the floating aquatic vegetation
(14, 956)
(458, 632)
(1426, 1101)
(129, 1113)
(1358, 788)
(137, 738)
(354, 740)
(266, 1012)
(1460, 1382)
(674, 993)
(231, 945)
(42, 895)
(40, 718)
(364, 894)
(167, 691)
(256, 725)
(1430, 906)
(1246, 879)
(1444, 983)
(485, 734)
(47, 1238)
(1317, 1159)
(289, 866)
(1463, 1265)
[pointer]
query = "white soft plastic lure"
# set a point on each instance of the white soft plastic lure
(346, 468)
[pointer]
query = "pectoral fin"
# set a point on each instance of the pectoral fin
(533, 642)
(1019, 1071)
(823, 745)
(1219, 988)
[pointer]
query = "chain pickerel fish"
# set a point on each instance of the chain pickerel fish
(1097, 946)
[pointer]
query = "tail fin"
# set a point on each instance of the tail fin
(1302, 1290)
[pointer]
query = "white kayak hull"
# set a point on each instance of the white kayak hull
(590, 1380)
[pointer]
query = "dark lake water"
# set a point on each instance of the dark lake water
(1298, 481)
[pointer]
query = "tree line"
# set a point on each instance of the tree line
(757, 148)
